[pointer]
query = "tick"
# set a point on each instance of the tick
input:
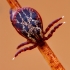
(28, 23)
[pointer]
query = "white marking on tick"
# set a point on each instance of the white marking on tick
(62, 16)
(13, 58)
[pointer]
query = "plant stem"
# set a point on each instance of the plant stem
(50, 57)
(14, 4)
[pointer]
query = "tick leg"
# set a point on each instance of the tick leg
(22, 44)
(53, 30)
(25, 49)
(51, 24)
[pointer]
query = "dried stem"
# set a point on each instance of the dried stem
(45, 50)
(14, 4)
(50, 57)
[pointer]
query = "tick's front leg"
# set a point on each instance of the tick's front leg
(22, 44)
(51, 24)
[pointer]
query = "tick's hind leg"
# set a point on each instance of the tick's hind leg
(25, 49)
(53, 30)
(22, 44)
(51, 24)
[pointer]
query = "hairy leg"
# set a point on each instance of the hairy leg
(22, 44)
(25, 49)
(53, 30)
(51, 24)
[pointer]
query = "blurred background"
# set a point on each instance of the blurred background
(33, 60)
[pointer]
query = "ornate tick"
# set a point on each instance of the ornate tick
(28, 23)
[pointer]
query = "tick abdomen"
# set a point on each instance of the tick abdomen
(28, 22)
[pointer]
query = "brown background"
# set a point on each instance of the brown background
(33, 60)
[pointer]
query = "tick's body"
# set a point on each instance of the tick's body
(28, 23)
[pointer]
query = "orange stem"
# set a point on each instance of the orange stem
(50, 57)
(14, 4)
